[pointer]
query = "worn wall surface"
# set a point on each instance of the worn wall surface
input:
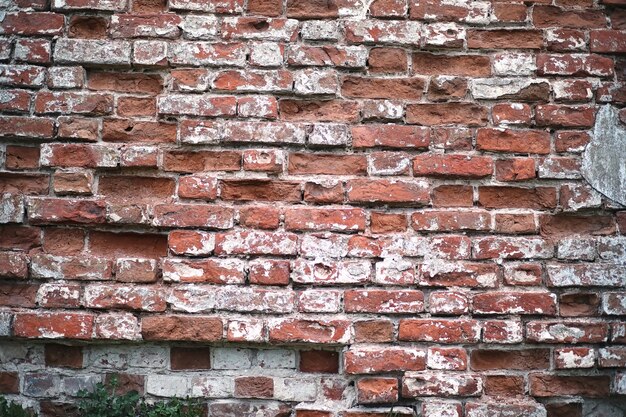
(315, 208)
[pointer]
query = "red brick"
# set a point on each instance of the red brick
(256, 242)
(125, 82)
(64, 356)
(130, 130)
(448, 302)
(446, 88)
(565, 116)
(215, 271)
(26, 127)
(450, 220)
(124, 297)
(452, 196)
(383, 301)
(198, 187)
(263, 161)
(425, 63)
(552, 385)
(9, 383)
(136, 106)
(565, 225)
(440, 331)
(94, 104)
(337, 220)
(191, 242)
(326, 164)
(381, 222)
(550, 16)
(265, 7)
(380, 359)
(259, 217)
(451, 138)
(17, 101)
(469, 114)
(32, 24)
(269, 272)
(319, 361)
(515, 303)
(510, 12)
(578, 304)
(319, 111)
(259, 190)
(254, 387)
(88, 27)
(18, 294)
(417, 384)
(136, 188)
(571, 141)
(513, 197)
(162, 25)
(504, 386)
(57, 210)
(504, 39)
(193, 105)
(193, 215)
(452, 166)
(566, 332)
(136, 270)
(515, 169)
(22, 157)
(309, 331)
(183, 328)
(387, 60)
(396, 88)
(574, 65)
(266, 81)
(331, 191)
(517, 113)
(513, 141)
(607, 41)
(445, 358)
(13, 264)
(54, 325)
(387, 192)
(377, 390)
(515, 223)
(390, 136)
(189, 358)
(442, 11)
(310, 9)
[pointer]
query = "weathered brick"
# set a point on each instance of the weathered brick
(184, 328)
(92, 52)
(441, 384)
(53, 325)
(438, 330)
(368, 360)
(218, 271)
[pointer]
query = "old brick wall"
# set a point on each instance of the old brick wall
(312, 208)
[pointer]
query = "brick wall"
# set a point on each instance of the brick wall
(312, 208)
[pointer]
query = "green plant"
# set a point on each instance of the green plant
(172, 408)
(103, 401)
(12, 409)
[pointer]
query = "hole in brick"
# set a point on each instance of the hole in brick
(261, 25)
(322, 271)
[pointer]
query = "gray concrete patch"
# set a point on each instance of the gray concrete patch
(604, 160)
